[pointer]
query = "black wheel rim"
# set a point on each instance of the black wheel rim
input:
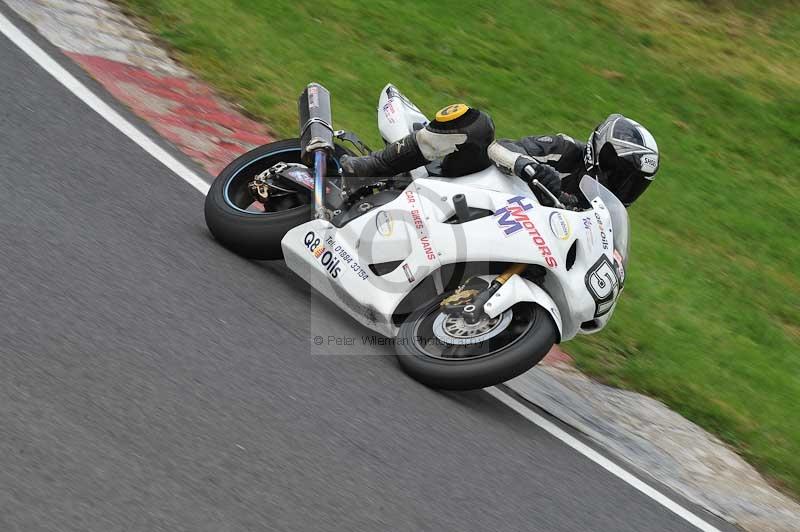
(428, 344)
(238, 196)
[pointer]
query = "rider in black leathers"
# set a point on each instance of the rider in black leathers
(620, 153)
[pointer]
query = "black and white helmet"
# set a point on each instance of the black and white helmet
(623, 156)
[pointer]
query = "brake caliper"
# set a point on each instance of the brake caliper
(459, 298)
(259, 187)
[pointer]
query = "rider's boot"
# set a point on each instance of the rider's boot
(400, 156)
(459, 135)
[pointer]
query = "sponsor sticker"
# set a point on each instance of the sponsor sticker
(313, 97)
(301, 176)
(560, 226)
(329, 261)
(587, 228)
(620, 267)
(603, 237)
(419, 225)
(649, 163)
(333, 256)
(384, 223)
(389, 112)
(514, 218)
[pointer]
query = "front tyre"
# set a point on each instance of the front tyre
(249, 228)
(445, 352)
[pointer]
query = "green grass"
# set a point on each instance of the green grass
(710, 322)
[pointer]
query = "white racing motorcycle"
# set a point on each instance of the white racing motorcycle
(473, 278)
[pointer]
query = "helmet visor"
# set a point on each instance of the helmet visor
(621, 176)
(629, 188)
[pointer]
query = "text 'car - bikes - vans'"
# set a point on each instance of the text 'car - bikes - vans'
(473, 275)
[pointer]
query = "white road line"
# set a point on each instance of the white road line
(103, 109)
(133, 133)
(599, 459)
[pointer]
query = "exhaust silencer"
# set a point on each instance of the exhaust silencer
(316, 131)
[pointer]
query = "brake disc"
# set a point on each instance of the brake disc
(454, 330)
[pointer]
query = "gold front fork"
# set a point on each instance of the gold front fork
(514, 269)
(474, 311)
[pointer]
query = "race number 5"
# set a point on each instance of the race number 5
(603, 285)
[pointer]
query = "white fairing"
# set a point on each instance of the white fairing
(397, 114)
(412, 230)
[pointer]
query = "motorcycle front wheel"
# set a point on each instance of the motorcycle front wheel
(249, 228)
(445, 352)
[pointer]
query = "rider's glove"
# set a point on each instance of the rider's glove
(570, 201)
(528, 169)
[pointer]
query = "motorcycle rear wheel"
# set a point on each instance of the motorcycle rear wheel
(427, 355)
(251, 229)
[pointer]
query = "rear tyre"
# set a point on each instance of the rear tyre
(440, 352)
(250, 229)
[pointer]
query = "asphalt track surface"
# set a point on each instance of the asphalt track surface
(151, 380)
